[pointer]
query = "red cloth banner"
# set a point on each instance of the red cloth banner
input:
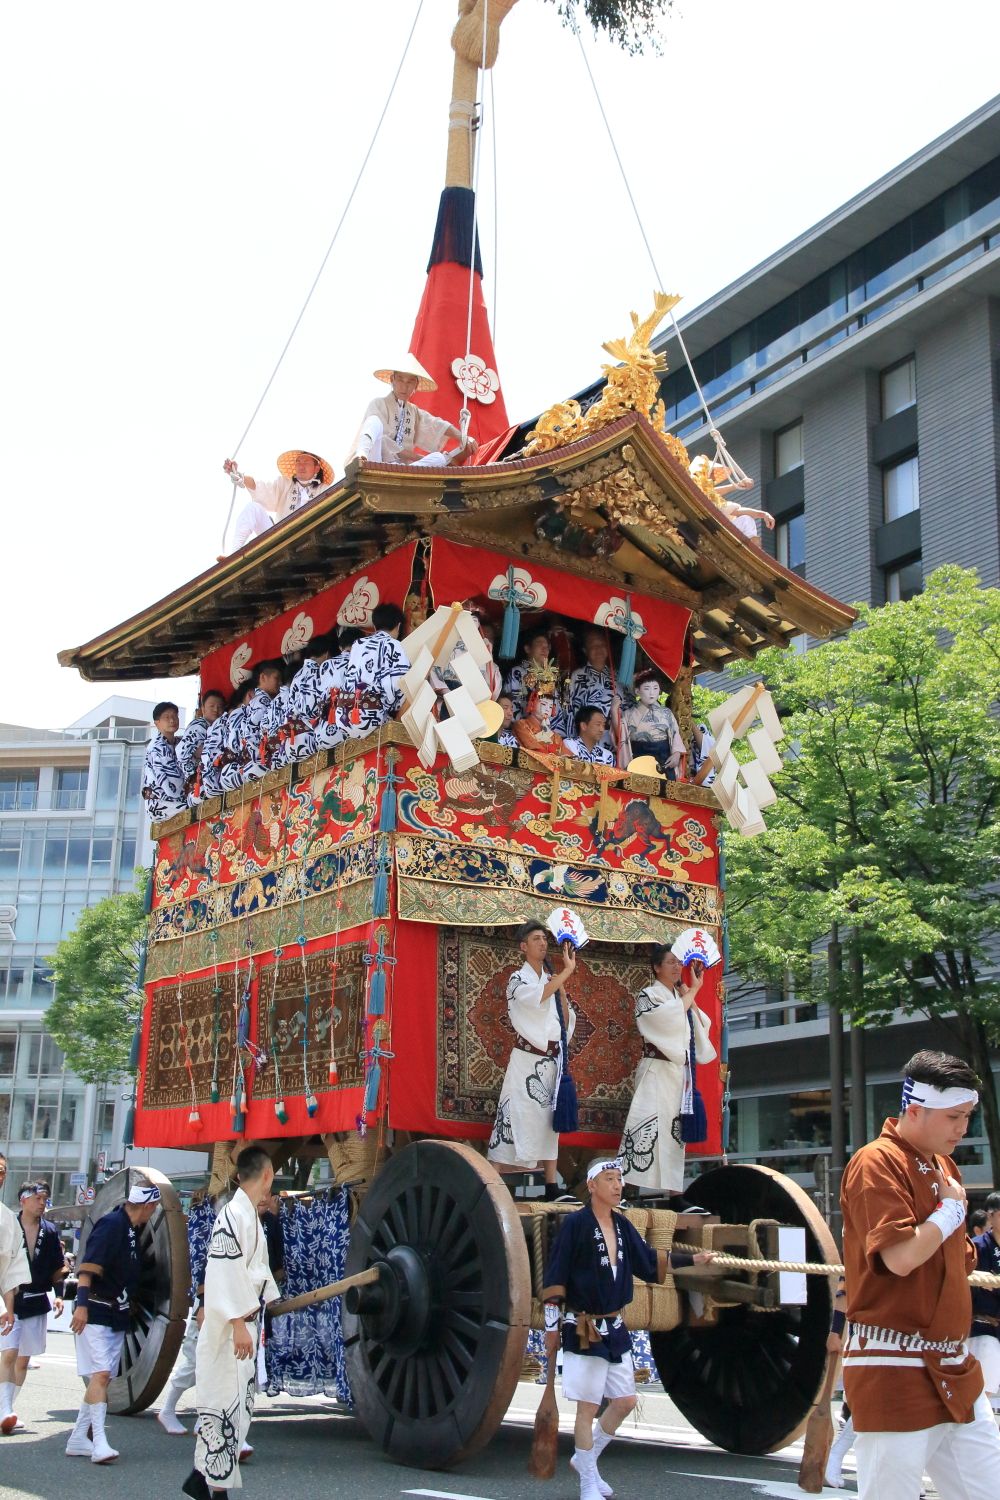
(461, 572)
(349, 602)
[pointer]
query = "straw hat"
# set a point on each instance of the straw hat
(643, 765)
(287, 461)
(407, 366)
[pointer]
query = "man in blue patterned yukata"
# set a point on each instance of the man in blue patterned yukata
(591, 683)
(192, 742)
(588, 743)
(374, 668)
(295, 711)
(257, 716)
(588, 1281)
(162, 778)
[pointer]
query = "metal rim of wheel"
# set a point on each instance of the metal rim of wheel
(434, 1349)
(749, 1381)
(160, 1306)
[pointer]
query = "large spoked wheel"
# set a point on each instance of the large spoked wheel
(160, 1308)
(434, 1347)
(748, 1382)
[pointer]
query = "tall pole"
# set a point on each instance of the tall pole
(838, 1143)
(859, 1116)
(474, 40)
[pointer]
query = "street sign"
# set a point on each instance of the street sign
(102, 1161)
(78, 1179)
(89, 1194)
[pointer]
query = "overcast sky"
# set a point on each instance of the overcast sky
(173, 175)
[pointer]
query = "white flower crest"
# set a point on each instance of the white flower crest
(528, 594)
(237, 664)
(475, 379)
(615, 615)
(299, 632)
(357, 607)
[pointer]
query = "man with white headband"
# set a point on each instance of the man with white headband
(588, 1280)
(108, 1280)
(48, 1269)
(915, 1392)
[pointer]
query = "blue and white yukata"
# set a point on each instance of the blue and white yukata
(522, 1132)
(599, 756)
(276, 728)
(592, 1281)
(233, 750)
(212, 751)
(189, 747)
(371, 689)
(162, 780)
(237, 1280)
(300, 710)
(256, 748)
(331, 717)
(507, 737)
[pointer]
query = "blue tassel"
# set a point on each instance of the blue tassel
(147, 897)
(387, 812)
(128, 1136)
(626, 670)
(243, 1029)
(312, 1104)
(511, 623)
(380, 890)
(281, 1111)
(133, 1052)
(372, 1086)
(214, 1094)
(140, 977)
(239, 1122)
(376, 992)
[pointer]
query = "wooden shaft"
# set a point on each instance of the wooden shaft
(323, 1293)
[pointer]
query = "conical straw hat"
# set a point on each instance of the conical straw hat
(286, 463)
(407, 366)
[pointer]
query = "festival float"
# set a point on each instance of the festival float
(328, 947)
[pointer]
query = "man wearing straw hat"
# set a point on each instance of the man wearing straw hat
(301, 476)
(393, 430)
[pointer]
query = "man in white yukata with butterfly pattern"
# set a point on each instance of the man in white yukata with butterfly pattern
(652, 1150)
(237, 1281)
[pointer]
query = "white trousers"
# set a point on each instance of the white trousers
(370, 446)
(962, 1458)
(182, 1375)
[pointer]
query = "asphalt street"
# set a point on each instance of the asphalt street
(308, 1448)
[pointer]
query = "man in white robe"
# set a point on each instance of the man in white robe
(652, 1151)
(393, 430)
(237, 1281)
(301, 477)
(522, 1133)
(14, 1267)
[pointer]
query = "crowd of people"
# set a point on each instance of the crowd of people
(345, 684)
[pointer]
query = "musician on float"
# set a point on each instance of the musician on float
(667, 1016)
(523, 1133)
(588, 742)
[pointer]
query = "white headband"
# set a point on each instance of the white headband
(143, 1192)
(929, 1097)
(611, 1165)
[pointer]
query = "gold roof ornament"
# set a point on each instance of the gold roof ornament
(632, 385)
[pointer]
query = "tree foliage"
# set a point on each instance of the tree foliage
(630, 24)
(887, 820)
(96, 1003)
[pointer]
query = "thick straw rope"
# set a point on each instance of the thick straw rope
(816, 1268)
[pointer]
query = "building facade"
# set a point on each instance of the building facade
(72, 831)
(854, 375)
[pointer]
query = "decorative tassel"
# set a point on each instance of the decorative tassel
(312, 1104)
(511, 622)
(140, 977)
(128, 1136)
(380, 889)
(334, 1075)
(387, 812)
(281, 1111)
(376, 992)
(243, 1028)
(626, 669)
(194, 1118)
(133, 1051)
(372, 1085)
(214, 1093)
(355, 713)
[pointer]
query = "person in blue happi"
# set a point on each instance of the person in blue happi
(375, 667)
(588, 1281)
(162, 778)
(191, 743)
(108, 1279)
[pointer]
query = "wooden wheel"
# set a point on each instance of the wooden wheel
(160, 1308)
(434, 1348)
(748, 1382)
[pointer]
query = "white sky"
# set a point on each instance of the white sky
(173, 174)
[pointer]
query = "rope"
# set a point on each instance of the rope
(336, 234)
(722, 454)
(474, 127)
(496, 231)
(818, 1268)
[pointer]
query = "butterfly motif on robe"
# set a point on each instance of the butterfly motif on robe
(540, 1083)
(503, 1133)
(645, 1002)
(639, 1145)
(217, 1441)
(225, 1244)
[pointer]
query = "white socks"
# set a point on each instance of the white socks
(79, 1445)
(167, 1414)
(601, 1439)
(103, 1452)
(842, 1445)
(7, 1398)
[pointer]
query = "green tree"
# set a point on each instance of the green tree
(96, 1003)
(887, 820)
(630, 24)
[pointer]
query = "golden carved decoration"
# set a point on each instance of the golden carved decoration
(631, 385)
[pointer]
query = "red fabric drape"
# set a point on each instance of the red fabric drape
(439, 336)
